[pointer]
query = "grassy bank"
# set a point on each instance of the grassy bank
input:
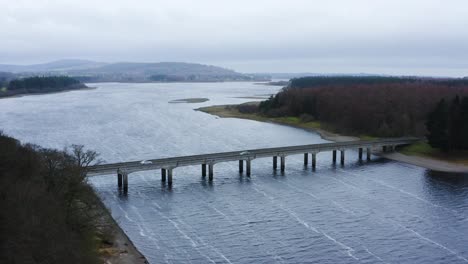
(423, 149)
(326, 131)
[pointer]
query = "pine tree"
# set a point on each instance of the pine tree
(464, 122)
(437, 126)
(455, 125)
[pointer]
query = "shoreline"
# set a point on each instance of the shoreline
(121, 250)
(217, 110)
(230, 111)
(54, 92)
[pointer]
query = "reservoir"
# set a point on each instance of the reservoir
(379, 211)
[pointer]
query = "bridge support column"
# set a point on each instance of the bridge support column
(163, 175)
(169, 176)
(210, 172)
(125, 182)
(314, 160)
(275, 162)
(360, 153)
(342, 157)
(391, 148)
(241, 166)
(283, 163)
(248, 167)
(368, 153)
(384, 149)
(334, 156)
(306, 159)
(203, 170)
(119, 180)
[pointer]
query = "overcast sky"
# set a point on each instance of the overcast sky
(425, 37)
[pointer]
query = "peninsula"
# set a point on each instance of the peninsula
(370, 108)
(40, 85)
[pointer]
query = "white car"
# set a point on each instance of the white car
(244, 153)
(146, 162)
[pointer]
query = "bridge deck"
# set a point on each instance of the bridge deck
(249, 154)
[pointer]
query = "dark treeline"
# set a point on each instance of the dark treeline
(322, 81)
(46, 84)
(447, 125)
(47, 211)
(380, 106)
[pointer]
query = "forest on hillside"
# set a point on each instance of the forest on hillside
(48, 213)
(378, 106)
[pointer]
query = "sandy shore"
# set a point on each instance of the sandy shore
(433, 164)
(189, 100)
(124, 252)
(121, 249)
(229, 111)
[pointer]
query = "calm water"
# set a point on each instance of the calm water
(371, 212)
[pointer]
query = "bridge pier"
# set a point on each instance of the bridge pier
(241, 166)
(248, 167)
(119, 180)
(210, 172)
(275, 162)
(306, 159)
(203, 170)
(163, 175)
(314, 160)
(169, 176)
(342, 157)
(360, 153)
(283, 163)
(384, 148)
(368, 153)
(125, 182)
(334, 156)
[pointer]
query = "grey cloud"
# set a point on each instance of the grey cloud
(416, 34)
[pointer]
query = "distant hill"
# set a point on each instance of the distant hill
(91, 71)
(55, 66)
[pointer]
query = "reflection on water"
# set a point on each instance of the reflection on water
(375, 211)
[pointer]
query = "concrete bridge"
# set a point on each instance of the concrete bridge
(167, 165)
